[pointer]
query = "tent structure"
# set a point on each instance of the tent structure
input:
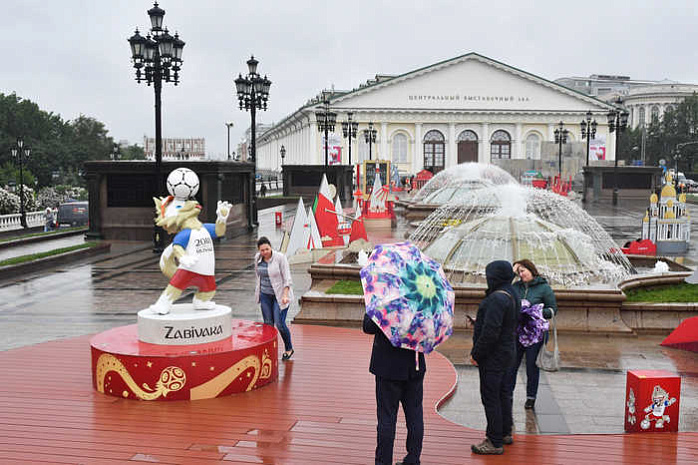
(685, 336)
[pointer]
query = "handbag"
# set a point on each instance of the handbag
(549, 360)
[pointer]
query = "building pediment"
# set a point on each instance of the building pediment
(467, 83)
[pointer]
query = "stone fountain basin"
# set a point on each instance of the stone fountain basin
(598, 310)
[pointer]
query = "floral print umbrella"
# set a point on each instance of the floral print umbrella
(408, 296)
(532, 325)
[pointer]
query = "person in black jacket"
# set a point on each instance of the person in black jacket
(398, 380)
(494, 347)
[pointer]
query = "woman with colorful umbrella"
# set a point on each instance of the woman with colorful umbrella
(409, 309)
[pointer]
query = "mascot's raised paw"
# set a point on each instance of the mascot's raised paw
(222, 210)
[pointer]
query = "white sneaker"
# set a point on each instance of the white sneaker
(203, 304)
(162, 306)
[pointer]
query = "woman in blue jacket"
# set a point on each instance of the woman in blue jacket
(534, 288)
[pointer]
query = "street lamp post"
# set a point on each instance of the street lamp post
(618, 122)
(157, 58)
(115, 155)
(588, 132)
(325, 122)
(283, 155)
(370, 138)
(253, 94)
(21, 153)
(560, 138)
(229, 125)
(349, 130)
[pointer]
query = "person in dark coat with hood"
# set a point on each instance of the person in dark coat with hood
(494, 348)
(399, 380)
(534, 288)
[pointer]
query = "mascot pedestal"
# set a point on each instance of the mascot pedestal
(185, 351)
(126, 367)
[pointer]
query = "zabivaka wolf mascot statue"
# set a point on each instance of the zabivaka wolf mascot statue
(189, 260)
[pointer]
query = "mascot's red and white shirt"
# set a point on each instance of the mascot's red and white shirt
(198, 243)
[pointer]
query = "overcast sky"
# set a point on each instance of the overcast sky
(71, 56)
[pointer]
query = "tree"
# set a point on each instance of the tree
(132, 152)
(58, 147)
(672, 137)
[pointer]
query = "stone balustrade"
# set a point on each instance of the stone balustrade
(13, 220)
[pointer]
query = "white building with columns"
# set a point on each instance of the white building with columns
(649, 103)
(468, 108)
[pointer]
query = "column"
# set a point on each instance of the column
(516, 151)
(384, 154)
(484, 146)
(452, 149)
(311, 156)
(418, 163)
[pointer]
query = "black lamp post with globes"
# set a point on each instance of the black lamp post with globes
(157, 58)
(253, 94)
(21, 153)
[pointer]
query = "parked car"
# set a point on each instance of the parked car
(73, 214)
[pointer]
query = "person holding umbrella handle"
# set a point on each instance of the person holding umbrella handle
(398, 381)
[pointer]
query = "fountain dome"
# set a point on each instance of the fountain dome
(513, 222)
(453, 183)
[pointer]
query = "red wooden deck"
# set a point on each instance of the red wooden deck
(321, 411)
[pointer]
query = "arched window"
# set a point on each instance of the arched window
(533, 147)
(641, 116)
(655, 113)
(467, 135)
(434, 151)
(399, 146)
(500, 145)
(669, 108)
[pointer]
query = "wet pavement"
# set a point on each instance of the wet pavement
(43, 246)
(586, 396)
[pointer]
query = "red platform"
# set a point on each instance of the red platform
(652, 401)
(123, 366)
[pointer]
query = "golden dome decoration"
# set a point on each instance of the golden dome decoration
(682, 197)
(668, 191)
(670, 203)
(669, 215)
(653, 198)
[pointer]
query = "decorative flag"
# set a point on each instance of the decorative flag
(358, 231)
(313, 240)
(325, 216)
(378, 197)
(299, 231)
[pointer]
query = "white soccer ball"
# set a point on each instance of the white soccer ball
(183, 183)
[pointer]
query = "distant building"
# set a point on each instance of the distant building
(244, 144)
(649, 103)
(177, 149)
(598, 85)
(470, 108)
(645, 100)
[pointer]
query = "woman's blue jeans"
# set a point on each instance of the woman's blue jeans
(272, 314)
(532, 370)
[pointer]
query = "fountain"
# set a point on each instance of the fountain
(453, 184)
(571, 249)
(513, 222)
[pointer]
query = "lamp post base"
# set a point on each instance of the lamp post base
(615, 196)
